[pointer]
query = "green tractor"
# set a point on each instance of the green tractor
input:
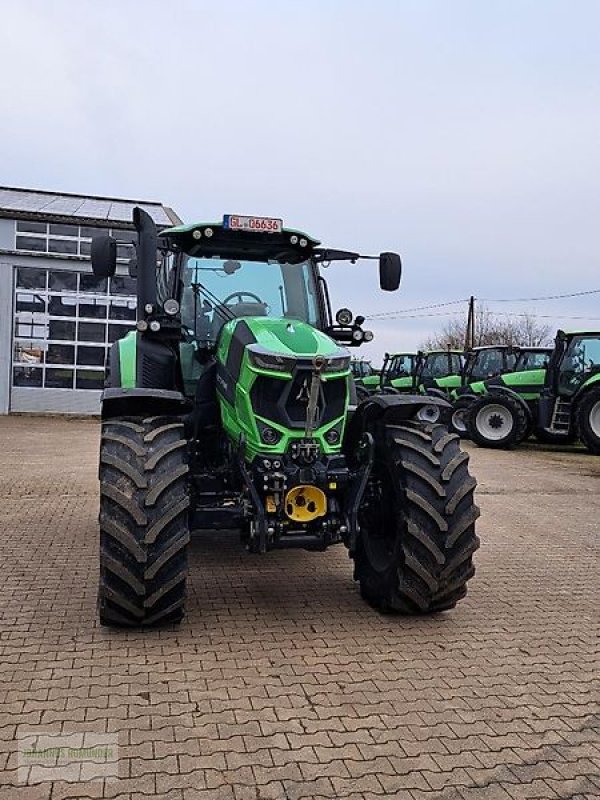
(486, 363)
(365, 376)
(558, 402)
(395, 375)
(439, 371)
(229, 407)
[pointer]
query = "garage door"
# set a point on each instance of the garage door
(64, 323)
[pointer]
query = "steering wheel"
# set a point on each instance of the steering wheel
(241, 295)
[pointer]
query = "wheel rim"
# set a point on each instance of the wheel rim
(494, 422)
(595, 419)
(428, 414)
(458, 420)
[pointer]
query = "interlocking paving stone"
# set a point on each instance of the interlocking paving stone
(280, 683)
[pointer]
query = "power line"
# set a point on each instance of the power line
(400, 312)
(532, 299)
(416, 308)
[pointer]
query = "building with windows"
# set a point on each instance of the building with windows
(57, 320)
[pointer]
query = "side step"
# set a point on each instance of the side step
(561, 417)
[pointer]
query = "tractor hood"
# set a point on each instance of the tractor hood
(276, 343)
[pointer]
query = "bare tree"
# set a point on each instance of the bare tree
(523, 329)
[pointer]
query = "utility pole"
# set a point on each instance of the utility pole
(470, 332)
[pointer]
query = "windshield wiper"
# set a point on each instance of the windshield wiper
(214, 298)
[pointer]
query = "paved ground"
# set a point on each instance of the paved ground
(281, 683)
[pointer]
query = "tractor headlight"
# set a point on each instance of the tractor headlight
(337, 364)
(270, 361)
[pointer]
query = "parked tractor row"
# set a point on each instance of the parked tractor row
(501, 395)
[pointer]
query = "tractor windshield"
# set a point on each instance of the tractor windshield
(401, 366)
(489, 363)
(216, 290)
(580, 362)
(440, 365)
(531, 359)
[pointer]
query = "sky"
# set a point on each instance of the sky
(464, 135)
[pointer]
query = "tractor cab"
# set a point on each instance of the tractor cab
(575, 363)
(488, 361)
(529, 358)
(398, 371)
(439, 369)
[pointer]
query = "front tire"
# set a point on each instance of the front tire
(144, 531)
(417, 525)
(588, 420)
(497, 421)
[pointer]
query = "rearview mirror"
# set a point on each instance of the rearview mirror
(104, 256)
(390, 271)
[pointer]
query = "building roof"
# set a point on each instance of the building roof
(40, 204)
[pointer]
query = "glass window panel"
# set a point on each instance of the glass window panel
(63, 246)
(62, 330)
(124, 251)
(31, 278)
(62, 306)
(90, 379)
(64, 230)
(31, 327)
(91, 332)
(94, 308)
(27, 226)
(59, 379)
(118, 331)
(60, 354)
(122, 285)
(28, 352)
(92, 284)
(122, 309)
(31, 243)
(85, 248)
(27, 376)
(63, 281)
(31, 302)
(92, 356)
(125, 236)
(88, 231)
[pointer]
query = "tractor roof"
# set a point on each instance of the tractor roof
(214, 239)
(590, 334)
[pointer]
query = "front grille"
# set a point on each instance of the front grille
(285, 402)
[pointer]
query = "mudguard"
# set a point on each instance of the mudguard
(389, 409)
(120, 402)
(432, 392)
(499, 389)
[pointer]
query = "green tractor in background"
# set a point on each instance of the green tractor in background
(485, 363)
(396, 374)
(558, 402)
(364, 374)
(230, 407)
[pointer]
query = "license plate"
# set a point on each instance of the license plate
(234, 222)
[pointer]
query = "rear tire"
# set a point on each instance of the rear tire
(498, 421)
(144, 529)
(417, 538)
(588, 420)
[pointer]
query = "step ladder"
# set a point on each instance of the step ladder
(561, 416)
